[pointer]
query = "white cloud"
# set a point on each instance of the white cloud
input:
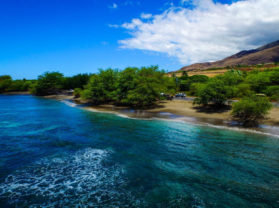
(145, 16)
(113, 6)
(208, 32)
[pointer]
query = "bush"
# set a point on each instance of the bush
(250, 110)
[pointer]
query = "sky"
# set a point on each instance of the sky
(82, 36)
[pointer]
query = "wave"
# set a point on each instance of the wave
(69, 103)
(80, 179)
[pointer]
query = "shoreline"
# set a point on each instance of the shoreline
(182, 108)
(180, 111)
(263, 129)
(177, 108)
(16, 93)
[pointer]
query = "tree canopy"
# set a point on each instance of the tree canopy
(139, 87)
(49, 83)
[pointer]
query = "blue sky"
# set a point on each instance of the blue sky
(78, 36)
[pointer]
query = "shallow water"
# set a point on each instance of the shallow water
(56, 155)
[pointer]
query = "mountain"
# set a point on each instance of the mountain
(266, 54)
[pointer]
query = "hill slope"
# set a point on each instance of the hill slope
(265, 54)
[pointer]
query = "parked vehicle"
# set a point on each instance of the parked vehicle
(180, 95)
(167, 96)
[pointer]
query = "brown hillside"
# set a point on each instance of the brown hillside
(265, 54)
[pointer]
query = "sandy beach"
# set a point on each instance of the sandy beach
(185, 109)
(172, 109)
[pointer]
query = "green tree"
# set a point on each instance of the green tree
(243, 89)
(274, 77)
(5, 82)
(126, 82)
(258, 81)
(214, 92)
(147, 84)
(196, 88)
(185, 82)
(232, 77)
(199, 78)
(77, 81)
(250, 110)
(273, 92)
(48, 83)
(102, 87)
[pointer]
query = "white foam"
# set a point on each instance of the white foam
(75, 179)
(69, 103)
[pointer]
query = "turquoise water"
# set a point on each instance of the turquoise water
(54, 155)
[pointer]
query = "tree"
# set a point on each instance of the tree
(5, 82)
(101, 87)
(214, 92)
(126, 82)
(250, 110)
(243, 89)
(196, 88)
(146, 84)
(199, 78)
(186, 82)
(273, 92)
(258, 81)
(77, 81)
(48, 83)
(232, 77)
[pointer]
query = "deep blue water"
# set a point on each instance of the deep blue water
(54, 155)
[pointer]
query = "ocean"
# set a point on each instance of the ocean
(57, 155)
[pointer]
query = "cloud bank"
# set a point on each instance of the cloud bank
(207, 32)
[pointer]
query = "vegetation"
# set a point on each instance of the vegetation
(214, 92)
(48, 83)
(250, 110)
(9, 85)
(132, 86)
(142, 87)
(77, 81)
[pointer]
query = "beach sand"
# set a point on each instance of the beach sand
(185, 109)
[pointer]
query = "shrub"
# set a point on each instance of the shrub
(250, 110)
